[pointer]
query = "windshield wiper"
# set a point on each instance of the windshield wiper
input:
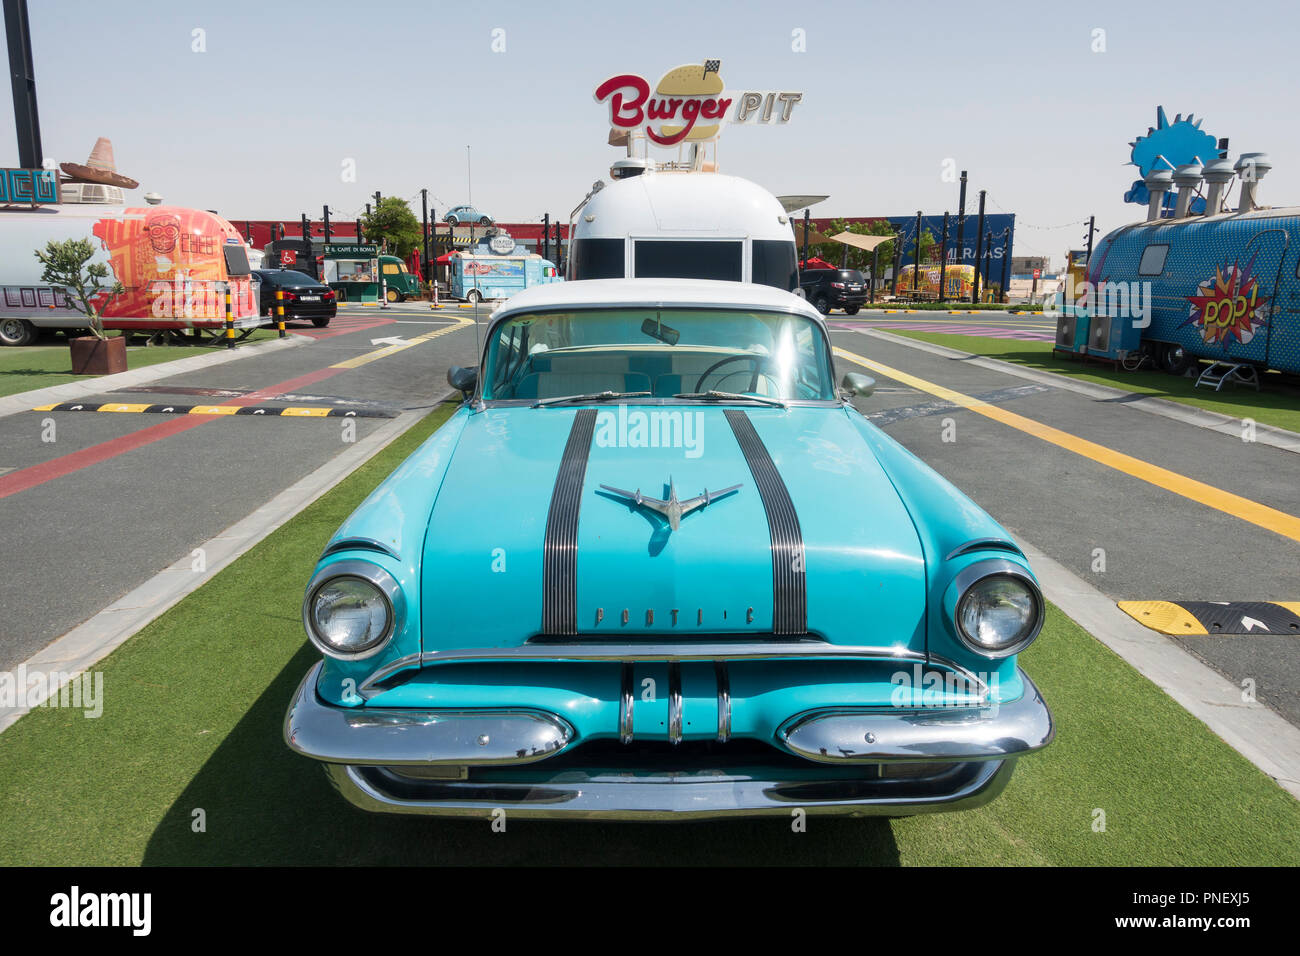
(730, 397)
(593, 397)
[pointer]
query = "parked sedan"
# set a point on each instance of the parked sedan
(466, 214)
(532, 613)
(304, 297)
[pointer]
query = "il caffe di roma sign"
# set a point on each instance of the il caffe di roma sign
(688, 104)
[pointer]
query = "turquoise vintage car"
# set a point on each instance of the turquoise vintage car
(657, 566)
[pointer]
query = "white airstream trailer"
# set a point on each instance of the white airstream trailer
(665, 221)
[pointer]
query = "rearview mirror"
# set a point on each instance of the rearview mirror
(855, 383)
(657, 330)
(464, 380)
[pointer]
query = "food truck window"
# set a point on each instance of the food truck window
(236, 260)
(776, 264)
(597, 258)
(390, 269)
(353, 270)
(688, 259)
(1153, 260)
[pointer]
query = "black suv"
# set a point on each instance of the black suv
(830, 289)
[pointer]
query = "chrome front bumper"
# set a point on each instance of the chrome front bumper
(977, 747)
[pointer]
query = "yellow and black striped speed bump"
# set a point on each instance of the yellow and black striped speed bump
(269, 411)
(1192, 618)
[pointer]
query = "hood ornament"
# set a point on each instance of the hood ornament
(672, 509)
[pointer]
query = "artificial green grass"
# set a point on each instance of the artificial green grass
(955, 306)
(38, 366)
(192, 722)
(1277, 403)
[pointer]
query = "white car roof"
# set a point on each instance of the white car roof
(684, 205)
(661, 293)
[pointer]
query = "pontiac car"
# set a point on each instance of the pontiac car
(657, 566)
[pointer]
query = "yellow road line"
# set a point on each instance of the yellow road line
(1265, 517)
(388, 350)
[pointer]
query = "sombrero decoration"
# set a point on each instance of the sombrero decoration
(99, 168)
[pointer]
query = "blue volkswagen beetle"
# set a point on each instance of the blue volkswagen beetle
(467, 215)
(657, 567)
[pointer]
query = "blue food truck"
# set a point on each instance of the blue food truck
(1196, 280)
(1224, 288)
(497, 268)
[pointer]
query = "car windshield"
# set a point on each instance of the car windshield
(851, 275)
(662, 352)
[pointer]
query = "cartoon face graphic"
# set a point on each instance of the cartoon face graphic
(163, 231)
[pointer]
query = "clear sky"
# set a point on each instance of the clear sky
(261, 123)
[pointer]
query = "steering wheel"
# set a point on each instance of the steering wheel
(758, 361)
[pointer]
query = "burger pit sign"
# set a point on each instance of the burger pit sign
(688, 104)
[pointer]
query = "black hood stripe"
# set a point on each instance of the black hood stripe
(789, 596)
(560, 548)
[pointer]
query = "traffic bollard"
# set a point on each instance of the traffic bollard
(230, 321)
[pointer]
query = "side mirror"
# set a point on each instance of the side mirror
(855, 383)
(464, 380)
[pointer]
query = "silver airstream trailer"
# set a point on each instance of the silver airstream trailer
(682, 221)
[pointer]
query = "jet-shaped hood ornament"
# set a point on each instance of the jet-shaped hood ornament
(672, 509)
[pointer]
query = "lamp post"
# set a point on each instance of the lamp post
(807, 220)
(943, 256)
(916, 256)
(1006, 257)
(979, 239)
(898, 264)
(22, 76)
(424, 216)
(961, 222)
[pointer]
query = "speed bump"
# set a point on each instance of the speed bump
(1191, 618)
(269, 411)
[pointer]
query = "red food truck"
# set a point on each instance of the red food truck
(174, 264)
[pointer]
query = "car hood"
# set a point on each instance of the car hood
(484, 579)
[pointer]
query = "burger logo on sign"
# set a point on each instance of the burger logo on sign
(689, 104)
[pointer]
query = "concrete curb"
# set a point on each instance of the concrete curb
(25, 401)
(1187, 414)
(1260, 735)
(88, 643)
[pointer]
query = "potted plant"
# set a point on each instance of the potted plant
(65, 265)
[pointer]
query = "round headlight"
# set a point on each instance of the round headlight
(349, 615)
(999, 614)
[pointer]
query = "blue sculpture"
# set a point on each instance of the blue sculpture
(1167, 145)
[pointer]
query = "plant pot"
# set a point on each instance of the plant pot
(95, 356)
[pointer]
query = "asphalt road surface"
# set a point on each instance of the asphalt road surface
(119, 497)
(1129, 538)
